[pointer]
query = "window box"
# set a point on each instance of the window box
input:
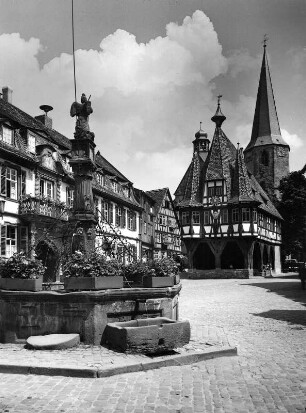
(93, 283)
(20, 284)
(155, 282)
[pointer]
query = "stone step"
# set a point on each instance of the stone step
(53, 341)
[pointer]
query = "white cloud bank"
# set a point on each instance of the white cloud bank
(148, 99)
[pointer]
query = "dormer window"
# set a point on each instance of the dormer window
(100, 179)
(31, 143)
(7, 135)
(115, 186)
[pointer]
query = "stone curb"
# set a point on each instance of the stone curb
(162, 361)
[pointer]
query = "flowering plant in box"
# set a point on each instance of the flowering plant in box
(163, 267)
(92, 265)
(20, 265)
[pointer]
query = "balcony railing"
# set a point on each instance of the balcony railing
(39, 206)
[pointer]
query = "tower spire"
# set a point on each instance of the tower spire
(218, 117)
(266, 130)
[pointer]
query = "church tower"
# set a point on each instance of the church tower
(267, 154)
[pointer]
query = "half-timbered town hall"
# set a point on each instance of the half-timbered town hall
(228, 219)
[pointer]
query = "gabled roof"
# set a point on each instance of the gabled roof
(241, 184)
(262, 197)
(109, 168)
(266, 130)
(158, 196)
(17, 115)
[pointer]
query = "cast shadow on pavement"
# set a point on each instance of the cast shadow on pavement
(288, 289)
(290, 316)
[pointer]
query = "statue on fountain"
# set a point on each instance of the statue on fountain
(82, 111)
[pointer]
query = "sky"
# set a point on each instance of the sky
(153, 69)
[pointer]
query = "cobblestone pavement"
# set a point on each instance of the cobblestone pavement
(266, 318)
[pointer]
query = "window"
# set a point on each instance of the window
(105, 210)
(118, 215)
(144, 227)
(219, 191)
(8, 240)
(224, 216)
(211, 191)
(115, 186)
(131, 220)
(245, 214)
(31, 143)
(9, 182)
(7, 135)
(163, 220)
(167, 204)
(100, 179)
(195, 217)
(185, 218)
(158, 237)
(69, 196)
(254, 215)
(235, 215)
(47, 188)
(206, 218)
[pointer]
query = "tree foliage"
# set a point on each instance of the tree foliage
(292, 207)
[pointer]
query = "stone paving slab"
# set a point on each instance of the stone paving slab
(98, 361)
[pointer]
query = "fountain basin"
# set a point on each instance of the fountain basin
(147, 335)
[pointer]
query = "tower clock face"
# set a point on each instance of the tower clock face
(281, 151)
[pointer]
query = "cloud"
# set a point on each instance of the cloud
(241, 61)
(148, 98)
(293, 140)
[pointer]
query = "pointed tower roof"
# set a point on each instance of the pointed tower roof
(222, 153)
(189, 187)
(241, 184)
(266, 130)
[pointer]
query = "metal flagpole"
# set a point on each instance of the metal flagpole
(73, 53)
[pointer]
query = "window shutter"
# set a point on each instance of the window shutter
(3, 240)
(3, 180)
(134, 221)
(23, 239)
(23, 183)
(123, 218)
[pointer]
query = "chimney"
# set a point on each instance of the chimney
(7, 94)
(44, 119)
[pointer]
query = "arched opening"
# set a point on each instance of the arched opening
(265, 256)
(257, 257)
(232, 256)
(203, 258)
(49, 257)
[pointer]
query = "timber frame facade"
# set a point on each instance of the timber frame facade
(37, 195)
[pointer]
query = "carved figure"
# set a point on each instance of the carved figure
(82, 111)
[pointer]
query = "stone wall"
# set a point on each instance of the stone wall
(23, 314)
(217, 274)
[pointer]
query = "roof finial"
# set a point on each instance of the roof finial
(218, 118)
(238, 143)
(200, 125)
(265, 40)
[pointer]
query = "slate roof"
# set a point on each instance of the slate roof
(241, 184)
(158, 196)
(266, 130)
(23, 119)
(190, 185)
(224, 162)
(109, 168)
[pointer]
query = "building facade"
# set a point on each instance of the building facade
(37, 194)
(228, 219)
(167, 240)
